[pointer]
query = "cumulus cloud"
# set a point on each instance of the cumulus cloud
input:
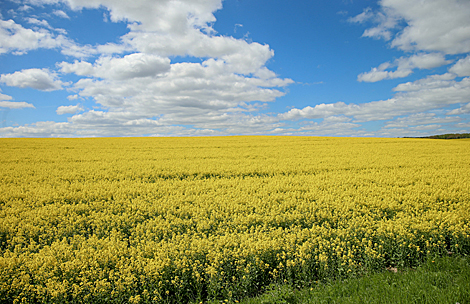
(241, 56)
(418, 97)
(145, 84)
(39, 79)
(6, 103)
(379, 73)
(420, 121)
(423, 61)
(366, 15)
(430, 82)
(138, 90)
(431, 29)
(38, 22)
(25, 8)
(39, 129)
(404, 67)
(465, 109)
(5, 97)
(15, 104)
(15, 38)
(461, 67)
(339, 125)
(387, 20)
(319, 111)
(206, 85)
(61, 14)
(130, 66)
(171, 28)
(81, 68)
(421, 124)
(165, 16)
(98, 128)
(137, 87)
(432, 25)
(72, 97)
(69, 109)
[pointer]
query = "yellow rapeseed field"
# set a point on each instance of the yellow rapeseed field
(174, 220)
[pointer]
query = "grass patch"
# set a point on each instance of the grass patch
(440, 280)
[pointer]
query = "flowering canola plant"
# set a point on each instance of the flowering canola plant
(175, 220)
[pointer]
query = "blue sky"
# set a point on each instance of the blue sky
(82, 68)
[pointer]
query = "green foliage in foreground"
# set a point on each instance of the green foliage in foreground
(442, 280)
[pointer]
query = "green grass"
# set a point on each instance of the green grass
(442, 280)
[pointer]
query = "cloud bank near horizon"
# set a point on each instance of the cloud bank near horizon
(173, 74)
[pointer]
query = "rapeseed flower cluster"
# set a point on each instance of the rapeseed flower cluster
(173, 220)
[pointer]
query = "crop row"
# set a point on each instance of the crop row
(174, 220)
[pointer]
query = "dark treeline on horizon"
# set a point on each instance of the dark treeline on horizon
(446, 136)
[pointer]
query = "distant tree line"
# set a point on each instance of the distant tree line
(447, 136)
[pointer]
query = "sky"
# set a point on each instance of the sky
(98, 68)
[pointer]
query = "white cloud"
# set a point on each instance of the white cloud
(171, 28)
(39, 129)
(19, 40)
(174, 17)
(72, 97)
(337, 119)
(69, 109)
(465, 127)
(95, 128)
(430, 82)
(425, 128)
(432, 25)
(16, 38)
(207, 85)
(461, 67)
(422, 124)
(236, 26)
(25, 8)
(5, 97)
(241, 56)
(130, 66)
(39, 79)
(15, 104)
(422, 61)
(421, 97)
(419, 100)
(6, 103)
(331, 125)
(430, 30)
(145, 85)
(378, 74)
(387, 20)
(420, 120)
(404, 67)
(61, 14)
(81, 68)
(319, 111)
(205, 97)
(465, 109)
(366, 15)
(410, 132)
(38, 22)
(144, 93)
